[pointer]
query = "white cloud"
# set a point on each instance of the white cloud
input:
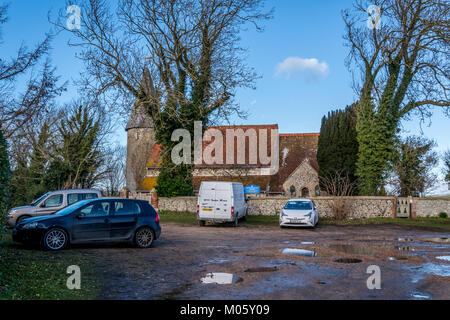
(311, 69)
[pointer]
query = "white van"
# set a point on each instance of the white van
(221, 202)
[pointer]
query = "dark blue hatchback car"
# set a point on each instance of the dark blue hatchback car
(100, 220)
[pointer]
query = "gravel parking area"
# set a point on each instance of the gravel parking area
(332, 264)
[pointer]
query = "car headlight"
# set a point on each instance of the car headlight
(309, 214)
(31, 225)
(283, 214)
(9, 213)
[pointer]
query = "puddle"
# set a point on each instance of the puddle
(445, 258)
(221, 278)
(354, 249)
(348, 260)
(421, 295)
(437, 239)
(406, 248)
(397, 258)
(436, 269)
(300, 252)
(262, 269)
(218, 260)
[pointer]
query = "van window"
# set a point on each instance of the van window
(54, 201)
(89, 196)
(73, 198)
(126, 208)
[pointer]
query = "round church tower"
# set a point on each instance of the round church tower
(140, 142)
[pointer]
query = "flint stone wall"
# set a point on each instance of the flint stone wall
(358, 207)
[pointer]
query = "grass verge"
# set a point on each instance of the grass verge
(32, 274)
(432, 223)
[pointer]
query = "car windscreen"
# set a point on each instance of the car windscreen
(37, 201)
(71, 208)
(298, 205)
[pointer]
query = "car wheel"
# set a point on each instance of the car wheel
(236, 220)
(55, 239)
(201, 223)
(20, 219)
(144, 237)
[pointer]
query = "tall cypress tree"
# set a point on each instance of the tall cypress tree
(5, 178)
(338, 146)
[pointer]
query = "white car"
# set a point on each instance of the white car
(299, 213)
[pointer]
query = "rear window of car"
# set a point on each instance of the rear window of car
(89, 196)
(126, 208)
(73, 198)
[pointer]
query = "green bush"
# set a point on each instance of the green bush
(443, 215)
(174, 181)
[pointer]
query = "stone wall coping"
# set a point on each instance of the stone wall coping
(326, 198)
(437, 198)
(315, 198)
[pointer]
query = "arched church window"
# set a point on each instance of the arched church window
(292, 191)
(305, 192)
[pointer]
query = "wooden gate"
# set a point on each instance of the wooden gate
(403, 208)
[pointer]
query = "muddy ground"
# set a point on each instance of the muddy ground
(175, 266)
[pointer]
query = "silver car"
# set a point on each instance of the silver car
(49, 203)
(299, 213)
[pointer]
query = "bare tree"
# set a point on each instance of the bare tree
(403, 67)
(114, 169)
(192, 48)
(23, 110)
(339, 186)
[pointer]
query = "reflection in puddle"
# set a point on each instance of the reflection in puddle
(348, 260)
(221, 278)
(405, 239)
(437, 239)
(307, 242)
(397, 258)
(262, 269)
(445, 258)
(419, 272)
(421, 295)
(405, 248)
(299, 252)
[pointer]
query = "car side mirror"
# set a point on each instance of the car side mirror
(42, 205)
(80, 216)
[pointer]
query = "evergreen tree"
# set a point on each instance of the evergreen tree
(413, 164)
(78, 156)
(338, 146)
(5, 178)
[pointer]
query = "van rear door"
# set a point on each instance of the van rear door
(206, 199)
(224, 201)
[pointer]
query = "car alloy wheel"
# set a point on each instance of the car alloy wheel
(55, 239)
(144, 238)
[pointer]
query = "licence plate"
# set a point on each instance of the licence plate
(207, 209)
(296, 220)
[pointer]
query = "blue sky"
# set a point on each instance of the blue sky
(300, 30)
